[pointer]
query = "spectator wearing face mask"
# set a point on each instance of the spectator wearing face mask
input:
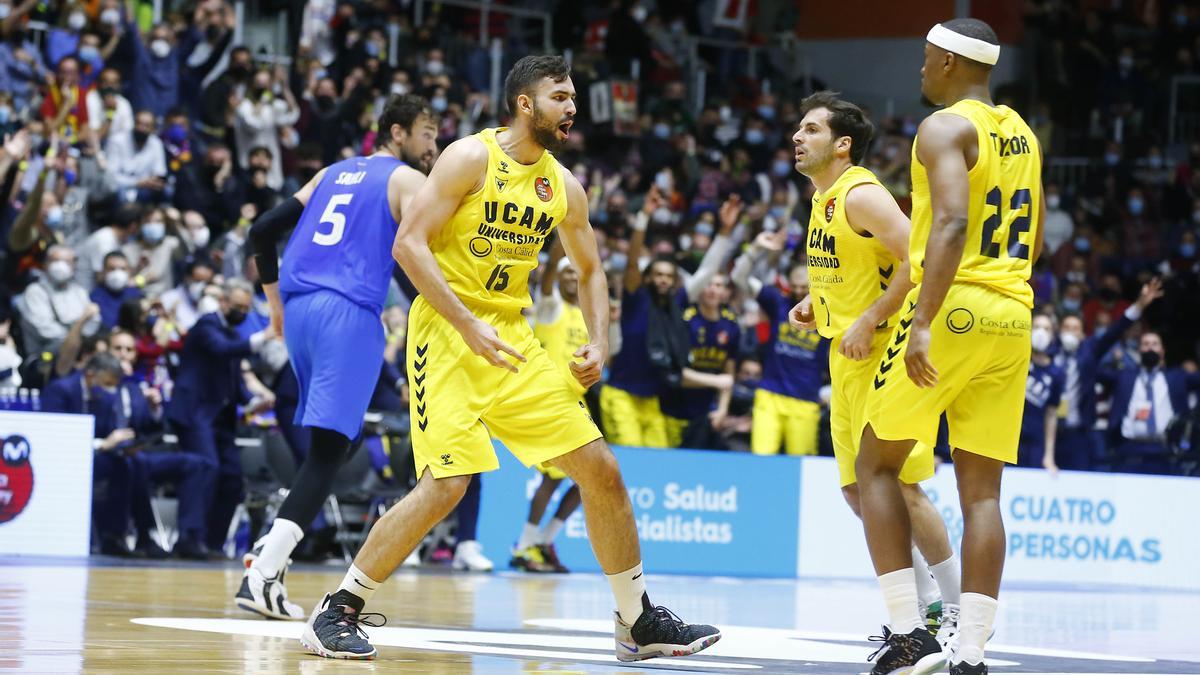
(155, 69)
(1058, 227)
(1140, 227)
(1145, 400)
(1107, 301)
(93, 53)
(195, 234)
(153, 251)
(109, 113)
(38, 226)
(103, 241)
(1043, 393)
(1078, 446)
(267, 107)
(53, 303)
(63, 40)
(183, 301)
(113, 288)
(138, 163)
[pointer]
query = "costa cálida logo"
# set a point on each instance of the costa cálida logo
(16, 477)
(829, 207)
(543, 189)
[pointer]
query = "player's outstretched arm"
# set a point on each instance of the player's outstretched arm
(265, 234)
(871, 208)
(579, 242)
(941, 148)
(457, 173)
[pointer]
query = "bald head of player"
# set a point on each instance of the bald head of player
(959, 55)
(541, 99)
(408, 130)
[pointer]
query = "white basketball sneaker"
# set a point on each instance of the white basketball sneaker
(469, 556)
(267, 597)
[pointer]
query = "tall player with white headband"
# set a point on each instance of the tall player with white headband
(964, 333)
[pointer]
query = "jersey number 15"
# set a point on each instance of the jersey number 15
(337, 220)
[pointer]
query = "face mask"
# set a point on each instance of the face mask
(195, 290)
(766, 112)
(755, 137)
(1187, 250)
(69, 177)
(663, 182)
(1155, 161)
(618, 261)
(212, 33)
(779, 213)
(160, 48)
(77, 21)
(1150, 360)
(153, 231)
(372, 48)
(89, 54)
(1070, 305)
(1070, 341)
(1136, 205)
(438, 103)
(200, 237)
(326, 102)
(5, 112)
(111, 17)
(5, 10)
(1053, 201)
(59, 271)
(207, 305)
(1083, 244)
(116, 280)
(235, 317)
(54, 217)
(781, 167)
(176, 134)
(435, 68)
(1040, 337)
(704, 228)
(140, 137)
(662, 131)
(662, 215)
(399, 88)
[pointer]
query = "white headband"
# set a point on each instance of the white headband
(976, 50)
(563, 263)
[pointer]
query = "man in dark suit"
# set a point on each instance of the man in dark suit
(203, 410)
(1079, 358)
(1145, 400)
(92, 391)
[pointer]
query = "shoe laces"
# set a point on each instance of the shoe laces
(889, 639)
(356, 620)
(662, 617)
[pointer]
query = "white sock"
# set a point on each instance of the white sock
(629, 588)
(975, 622)
(356, 582)
(900, 595)
(550, 531)
(529, 537)
(277, 546)
(949, 580)
(927, 591)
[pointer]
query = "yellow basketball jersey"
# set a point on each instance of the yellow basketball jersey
(847, 271)
(491, 243)
(562, 337)
(1002, 220)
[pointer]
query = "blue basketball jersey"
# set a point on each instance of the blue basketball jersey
(343, 242)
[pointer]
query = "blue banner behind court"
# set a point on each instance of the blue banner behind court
(711, 513)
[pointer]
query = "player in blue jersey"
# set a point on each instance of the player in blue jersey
(329, 293)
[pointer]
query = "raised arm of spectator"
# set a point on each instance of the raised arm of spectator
(254, 114)
(1104, 341)
(24, 231)
(718, 251)
(15, 16)
(765, 244)
(68, 351)
(114, 40)
(15, 148)
(637, 241)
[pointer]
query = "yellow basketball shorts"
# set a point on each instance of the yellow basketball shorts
(779, 419)
(456, 397)
(980, 345)
(632, 420)
(851, 383)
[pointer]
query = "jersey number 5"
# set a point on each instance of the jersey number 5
(331, 216)
(1020, 199)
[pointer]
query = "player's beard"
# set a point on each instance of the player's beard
(814, 162)
(545, 137)
(420, 162)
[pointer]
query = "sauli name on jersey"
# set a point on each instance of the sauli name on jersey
(350, 178)
(538, 223)
(1006, 147)
(818, 240)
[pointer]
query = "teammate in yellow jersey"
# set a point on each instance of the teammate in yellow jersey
(559, 324)
(468, 242)
(858, 276)
(964, 332)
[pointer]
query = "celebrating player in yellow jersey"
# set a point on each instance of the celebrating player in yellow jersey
(858, 276)
(468, 242)
(964, 332)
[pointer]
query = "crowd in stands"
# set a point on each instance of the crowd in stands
(136, 154)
